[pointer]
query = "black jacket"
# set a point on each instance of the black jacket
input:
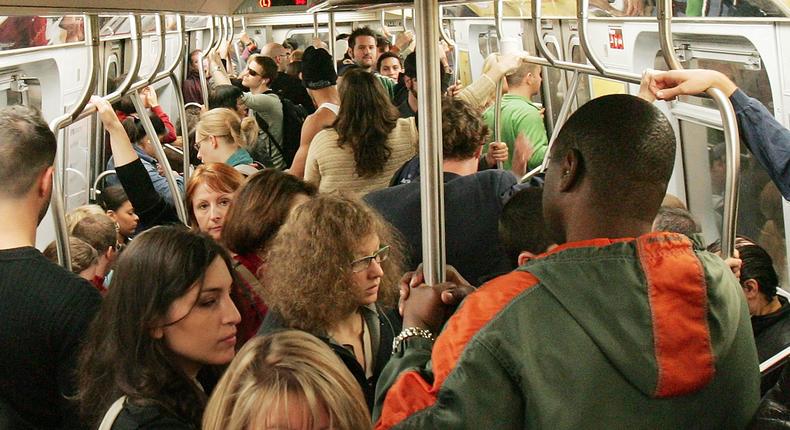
(772, 335)
(389, 326)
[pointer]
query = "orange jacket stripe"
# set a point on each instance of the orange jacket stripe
(411, 393)
(678, 301)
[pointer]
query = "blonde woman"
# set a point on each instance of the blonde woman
(288, 380)
(219, 139)
(338, 284)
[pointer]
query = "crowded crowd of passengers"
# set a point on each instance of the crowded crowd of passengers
(294, 299)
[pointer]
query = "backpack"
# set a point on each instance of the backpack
(293, 119)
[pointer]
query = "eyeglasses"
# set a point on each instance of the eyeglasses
(200, 142)
(252, 73)
(364, 262)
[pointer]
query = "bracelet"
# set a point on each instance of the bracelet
(412, 332)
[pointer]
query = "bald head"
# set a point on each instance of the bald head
(609, 166)
(278, 53)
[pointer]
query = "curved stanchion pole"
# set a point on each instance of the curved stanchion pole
(729, 126)
(561, 118)
(58, 191)
(161, 32)
(134, 68)
(450, 43)
(537, 11)
(430, 131)
(160, 154)
(583, 17)
(332, 36)
(315, 24)
(240, 61)
(94, 194)
(182, 116)
(203, 54)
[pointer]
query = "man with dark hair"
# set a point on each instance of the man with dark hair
(521, 116)
(99, 232)
(676, 220)
(230, 97)
(364, 52)
(617, 326)
(522, 230)
(45, 310)
(390, 65)
(473, 201)
(260, 73)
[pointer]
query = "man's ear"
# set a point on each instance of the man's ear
(44, 184)
(750, 288)
(571, 167)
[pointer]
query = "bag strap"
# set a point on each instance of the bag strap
(250, 279)
(264, 126)
(112, 414)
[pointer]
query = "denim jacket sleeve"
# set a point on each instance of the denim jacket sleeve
(765, 137)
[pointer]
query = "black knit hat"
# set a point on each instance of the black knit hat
(317, 69)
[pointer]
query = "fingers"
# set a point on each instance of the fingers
(452, 294)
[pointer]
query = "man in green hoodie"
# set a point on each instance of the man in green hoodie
(617, 327)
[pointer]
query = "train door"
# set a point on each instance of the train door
(760, 209)
(554, 86)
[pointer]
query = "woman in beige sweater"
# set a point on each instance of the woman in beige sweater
(368, 142)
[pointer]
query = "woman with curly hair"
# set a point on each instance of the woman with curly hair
(287, 380)
(154, 334)
(339, 284)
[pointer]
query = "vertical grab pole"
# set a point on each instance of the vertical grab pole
(315, 24)
(430, 132)
(729, 125)
(58, 191)
(332, 35)
(202, 56)
(241, 62)
(160, 154)
(450, 43)
(182, 115)
(499, 84)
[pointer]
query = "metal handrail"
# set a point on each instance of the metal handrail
(134, 67)
(203, 54)
(774, 361)
(561, 118)
(94, 191)
(405, 20)
(175, 192)
(315, 23)
(430, 135)
(174, 79)
(160, 56)
(537, 13)
(450, 42)
(500, 83)
(729, 126)
(58, 200)
(583, 15)
(332, 35)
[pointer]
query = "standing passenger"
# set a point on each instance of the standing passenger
(319, 77)
(520, 116)
(218, 139)
(120, 209)
(260, 207)
(332, 264)
(288, 380)
(615, 328)
(191, 88)
(362, 43)
(167, 316)
(285, 85)
(45, 310)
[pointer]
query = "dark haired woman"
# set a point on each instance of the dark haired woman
(368, 142)
(118, 207)
(153, 335)
(260, 207)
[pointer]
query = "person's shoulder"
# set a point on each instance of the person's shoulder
(323, 138)
(31, 262)
(391, 195)
(148, 417)
(498, 179)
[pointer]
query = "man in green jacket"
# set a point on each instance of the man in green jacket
(521, 116)
(616, 328)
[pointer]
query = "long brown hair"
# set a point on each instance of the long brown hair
(308, 276)
(120, 356)
(259, 209)
(365, 121)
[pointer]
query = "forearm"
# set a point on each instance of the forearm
(413, 356)
(122, 150)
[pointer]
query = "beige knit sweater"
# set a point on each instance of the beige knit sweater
(332, 167)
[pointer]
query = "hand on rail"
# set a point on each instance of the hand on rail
(319, 44)
(506, 64)
(454, 89)
(634, 7)
(106, 113)
(497, 151)
(403, 41)
(645, 91)
(428, 306)
(150, 99)
(669, 85)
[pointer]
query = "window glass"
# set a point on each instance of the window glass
(759, 201)
(693, 8)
